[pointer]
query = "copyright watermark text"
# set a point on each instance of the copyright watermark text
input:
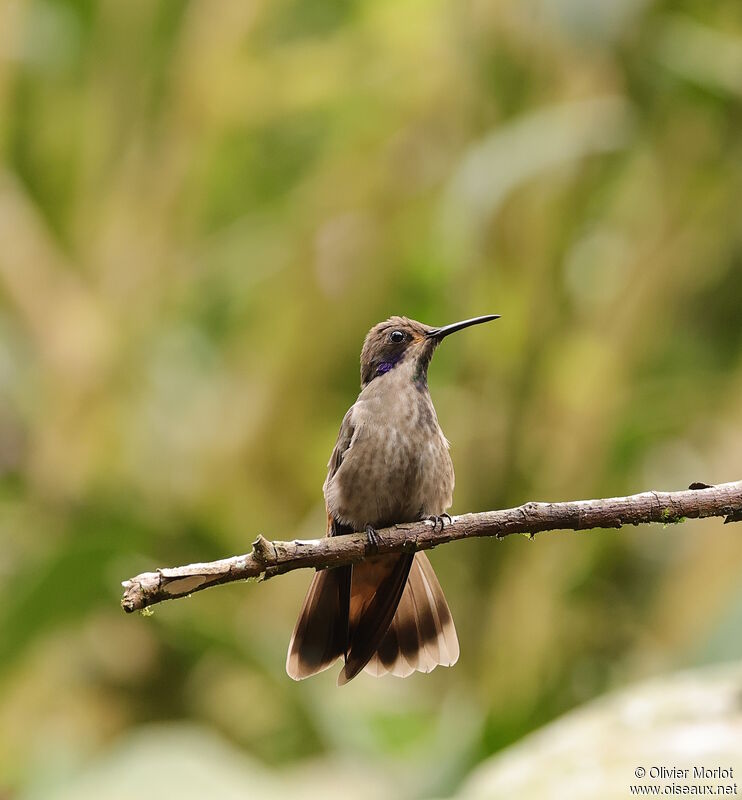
(697, 780)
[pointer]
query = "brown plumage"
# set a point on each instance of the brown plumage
(390, 465)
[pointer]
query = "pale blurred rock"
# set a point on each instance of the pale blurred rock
(690, 719)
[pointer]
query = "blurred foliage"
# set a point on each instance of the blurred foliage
(204, 205)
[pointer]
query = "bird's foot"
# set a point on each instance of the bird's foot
(372, 539)
(444, 519)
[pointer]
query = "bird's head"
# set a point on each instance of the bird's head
(398, 340)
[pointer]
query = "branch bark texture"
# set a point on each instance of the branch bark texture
(270, 558)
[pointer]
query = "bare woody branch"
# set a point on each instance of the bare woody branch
(273, 558)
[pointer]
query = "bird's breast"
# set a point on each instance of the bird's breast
(397, 468)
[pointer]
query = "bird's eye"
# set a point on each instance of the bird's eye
(396, 336)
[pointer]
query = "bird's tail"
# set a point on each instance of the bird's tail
(321, 633)
(422, 635)
(385, 615)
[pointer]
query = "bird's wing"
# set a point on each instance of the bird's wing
(344, 441)
(321, 633)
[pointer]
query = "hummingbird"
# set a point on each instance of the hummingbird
(390, 465)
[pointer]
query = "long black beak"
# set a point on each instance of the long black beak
(440, 333)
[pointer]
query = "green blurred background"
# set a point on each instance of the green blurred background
(204, 205)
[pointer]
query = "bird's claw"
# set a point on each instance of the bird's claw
(372, 539)
(444, 519)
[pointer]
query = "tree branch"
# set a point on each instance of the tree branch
(273, 558)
